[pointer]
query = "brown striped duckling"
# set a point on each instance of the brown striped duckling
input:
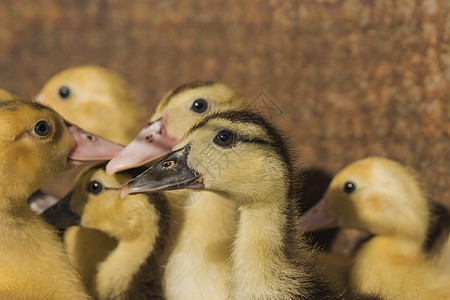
(245, 160)
(141, 224)
(198, 267)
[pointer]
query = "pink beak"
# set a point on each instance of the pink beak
(318, 217)
(90, 148)
(151, 143)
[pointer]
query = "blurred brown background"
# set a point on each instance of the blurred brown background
(345, 78)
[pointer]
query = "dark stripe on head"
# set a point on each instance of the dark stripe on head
(277, 140)
(7, 103)
(12, 104)
(438, 229)
(187, 86)
(253, 141)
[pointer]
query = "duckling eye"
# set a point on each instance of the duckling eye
(42, 128)
(349, 187)
(199, 106)
(224, 138)
(94, 187)
(64, 92)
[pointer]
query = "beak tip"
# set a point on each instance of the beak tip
(125, 191)
(39, 99)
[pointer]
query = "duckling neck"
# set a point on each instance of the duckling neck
(392, 249)
(13, 204)
(265, 257)
(15, 209)
(15, 214)
(131, 261)
(198, 267)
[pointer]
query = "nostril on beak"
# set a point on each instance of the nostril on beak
(91, 137)
(149, 138)
(168, 164)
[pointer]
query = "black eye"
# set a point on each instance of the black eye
(64, 92)
(199, 106)
(224, 138)
(42, 128)
(94, 187)
(349, 187)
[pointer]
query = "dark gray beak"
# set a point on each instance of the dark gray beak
(60, 215)
(170, 173)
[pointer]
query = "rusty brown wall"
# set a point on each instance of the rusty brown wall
(350, 78)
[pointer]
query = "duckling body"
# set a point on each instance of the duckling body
(101, 102)
(248, 164)
(142, 226)
(198, 267)
(35, 144)
(398, 271)
(33, 258)
(407, 258)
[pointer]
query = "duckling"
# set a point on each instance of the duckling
(95, 98)
(198, 267)
(35, 144)
(141, 224)
(101, 102)
(177, 111)
(5, 95)
(408, 255)
(241, 157)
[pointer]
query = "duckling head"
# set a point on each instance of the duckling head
(376, 195)
(95, 203)
(37, 143)
(88, 96)
(233, 153)
(177, 111)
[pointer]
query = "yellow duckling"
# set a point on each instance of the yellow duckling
(241, 157)
(408, 255)
(101, 102)
(198, 267)
(35, 144)
(140, 223)
(177, 111)
(95, 98)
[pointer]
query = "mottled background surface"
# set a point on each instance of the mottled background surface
(345, 78)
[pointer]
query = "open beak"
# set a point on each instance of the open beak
(170, 173)
(318, 217)
(151, 143)
(90, 147)
(60, 215)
